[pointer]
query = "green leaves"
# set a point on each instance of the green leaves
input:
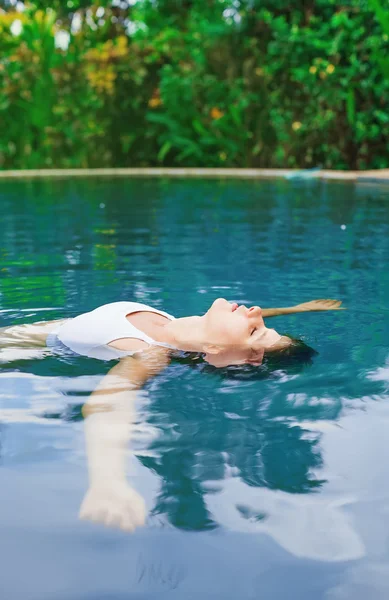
(249, 84)
(350, 104)
(381, 13)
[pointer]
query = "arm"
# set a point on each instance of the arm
(313, 305)
(109, 414)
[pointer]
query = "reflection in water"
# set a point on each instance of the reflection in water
(251, 470)
(235, 477)
(308, 526)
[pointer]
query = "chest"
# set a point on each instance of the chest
(148, 322)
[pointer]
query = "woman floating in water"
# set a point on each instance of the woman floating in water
(227, 334)
(143, 339)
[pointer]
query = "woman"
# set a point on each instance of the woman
(226, 334)
(143, 339)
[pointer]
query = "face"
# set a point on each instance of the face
(237, 335)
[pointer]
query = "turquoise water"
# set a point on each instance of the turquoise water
(268, 483)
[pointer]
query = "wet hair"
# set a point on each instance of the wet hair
(296, 353)
(293, 358)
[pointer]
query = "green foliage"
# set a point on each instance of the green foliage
(195, 83)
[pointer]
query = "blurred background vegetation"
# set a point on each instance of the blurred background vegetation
(208, 83)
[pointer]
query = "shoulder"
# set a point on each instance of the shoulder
(141, 366)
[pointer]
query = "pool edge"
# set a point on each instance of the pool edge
(377, 176)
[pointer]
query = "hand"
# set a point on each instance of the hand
(116, 505)
(320, 305)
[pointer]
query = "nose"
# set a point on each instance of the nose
(220, 301)
(255, 311)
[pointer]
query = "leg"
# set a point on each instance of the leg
(31, 335)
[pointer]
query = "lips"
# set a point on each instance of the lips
(234, 306)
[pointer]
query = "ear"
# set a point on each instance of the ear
(257, 360)
(211, 349)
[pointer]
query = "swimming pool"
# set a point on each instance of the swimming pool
(263, 483)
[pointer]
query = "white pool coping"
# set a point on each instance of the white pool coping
(375, 176)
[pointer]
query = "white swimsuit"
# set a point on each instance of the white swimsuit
(90, 333)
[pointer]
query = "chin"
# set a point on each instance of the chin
(282, 342)
(271, 338)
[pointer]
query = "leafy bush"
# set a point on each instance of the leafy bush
(197, 83)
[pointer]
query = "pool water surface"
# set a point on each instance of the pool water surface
(260, 483)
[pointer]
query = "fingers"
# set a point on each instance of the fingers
(327, 304)
(322, 304)
(125, 510)
(128, 520)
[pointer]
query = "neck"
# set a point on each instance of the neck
(185, 334)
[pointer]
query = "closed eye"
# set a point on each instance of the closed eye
(255, 329)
